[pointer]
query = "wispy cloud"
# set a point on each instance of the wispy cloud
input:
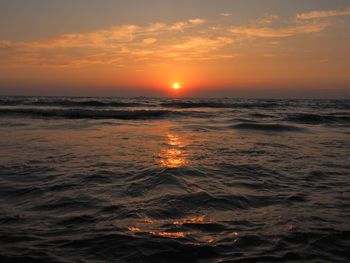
(149, 41)
(267, 19)
(5, 44)
(97, 39)
(114, 36)
(324, 14)
(197, 21)
(203, 43)
(270, 32)
(198, 48)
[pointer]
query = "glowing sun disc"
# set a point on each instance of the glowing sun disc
(176, 86)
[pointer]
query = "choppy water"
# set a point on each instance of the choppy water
(161, 180)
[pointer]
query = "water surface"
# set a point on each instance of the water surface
(162, 180)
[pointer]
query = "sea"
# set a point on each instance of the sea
(174, 180)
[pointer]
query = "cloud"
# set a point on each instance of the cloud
(204, 43)
(268, 19)
(197, 21)
(113, 36)
(5, 44)
(269, 32)
(149, 41)
(199, 48)
(226, 14)
(180, 26)
(184, 49)
(324, 60)
(324, 14)
(97, 39)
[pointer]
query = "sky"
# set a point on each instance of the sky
(212, 48)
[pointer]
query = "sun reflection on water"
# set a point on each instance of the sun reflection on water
(153, 227)
(173, 156)
(193, 220)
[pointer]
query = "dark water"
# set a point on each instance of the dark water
(161, 180)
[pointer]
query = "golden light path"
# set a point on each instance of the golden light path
(173, 156)
(151, 225)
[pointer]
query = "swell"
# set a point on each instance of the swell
(309, 118)
(90, 114)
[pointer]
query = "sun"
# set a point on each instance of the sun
(176, 86)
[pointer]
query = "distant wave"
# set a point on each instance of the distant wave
(93, 114)
(267, 127)
(90, 103)
(308, 118)
(214, 104)
(70, 103)
(330, 104)
(188, 104)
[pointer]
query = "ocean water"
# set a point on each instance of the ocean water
(174, 180)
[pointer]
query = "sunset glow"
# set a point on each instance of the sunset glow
(221, 48)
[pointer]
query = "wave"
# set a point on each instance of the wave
(309, 118)
(91, 114)
(330, 104)
(90, 103)
(267, 127)
(188, 104)
(70, 103)
(12, 124)
(293, 246)
(214, 104)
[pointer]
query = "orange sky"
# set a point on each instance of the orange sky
(210, 53)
